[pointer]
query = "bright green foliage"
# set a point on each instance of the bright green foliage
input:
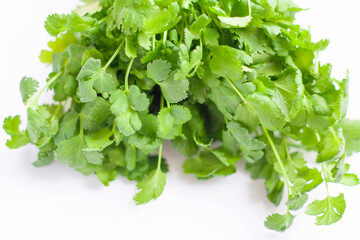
(224, 81)
(279, 222)
(28, 86)
(330, 210)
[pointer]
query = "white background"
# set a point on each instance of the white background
(58, 203)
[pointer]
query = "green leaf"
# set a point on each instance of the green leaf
(235, 22)
(279, 222)
(131, 46)
(351, 131)
(251, 148)
(28, 87)
(199, 24)
(206, 165)
(55, 24)
(68, 126)
(331, 146)
(166, 121)
(181, 114)
(107, 173)
(37, 125)
(11, 127)
(329, 210)
(161, 21)
(296, 202)
(93, 156)
(267, 111)
(70, 152)
(228, 61)
(138, 100)
(151, 187)
(158, 70)
(187, 64)
(174, 91)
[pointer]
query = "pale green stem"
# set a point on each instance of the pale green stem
(127, 75)
(153, 42)
(34, 100)
(159, 157)
(57, 109)
(236, 90)
(165, 36)
(114, 55)
(249, 4)
(277, 156)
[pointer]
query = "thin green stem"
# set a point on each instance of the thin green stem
(162, 101)
(114, 55)
(199, 63)
(194, 12)
(127, 75)
(286, 149)
(35, 99)
(80, 126)
(277, 156)
(325, 179)
(236, 90)
(249, 4)
(164, 37)
(153, 42)
(335, 135)
(159, 157)
(57, 110)
(168, 104)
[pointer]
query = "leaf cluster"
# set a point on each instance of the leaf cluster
(224, 81)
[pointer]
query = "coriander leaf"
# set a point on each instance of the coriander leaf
(70, 152)
(45, 155)
(267, 111)
(151, 187)
(181, 114)
(329, 210)
(138, 100)
(106, 173)
(199, 24)
(55, 24)
(158, 70)
(331, 146)
(161, 21)
(28, 86)
(211, 37)
(351, 131)
(186, 63)
(86, 92)
(235, 22)
(174, 91)
(279, 222)
(37, 125)
(67, 126)
(11, 127)
(228, 61)
(166, 121)
(93, 156)
(206, 165)
(251, 148)
(100, 112)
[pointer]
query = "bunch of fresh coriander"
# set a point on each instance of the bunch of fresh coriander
(224, 80)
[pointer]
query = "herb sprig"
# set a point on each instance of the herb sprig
(225, 81)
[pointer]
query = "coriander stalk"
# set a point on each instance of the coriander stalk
(35, 99)
(114, 55)
(127, 75)
(277, 156)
